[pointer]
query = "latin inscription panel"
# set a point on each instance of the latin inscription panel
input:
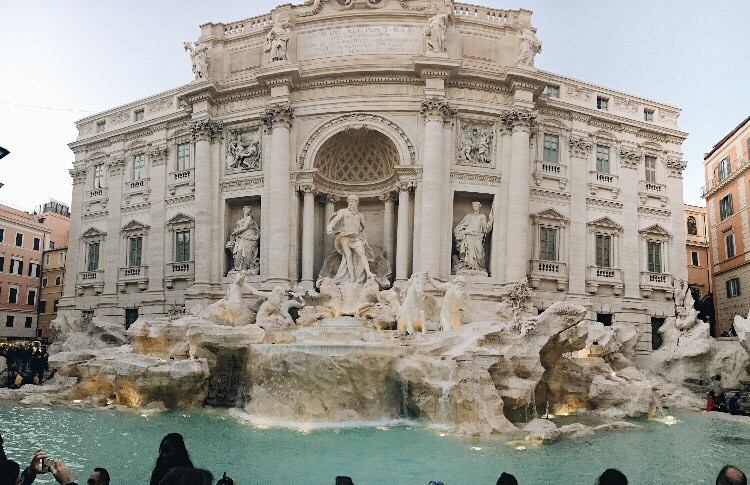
(355, 41)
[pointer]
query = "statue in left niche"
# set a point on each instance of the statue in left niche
(243, 241)
(277, 40)
(199, 58)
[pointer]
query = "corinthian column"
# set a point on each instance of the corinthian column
(204, 132)
(435, 173)
(279, 120)
(308, 235)
(518, 251)
(330, 200)
(388, 207)
(402, 233)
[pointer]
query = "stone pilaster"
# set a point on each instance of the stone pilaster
(204, 132)
(633, 254)
(110, 257)
(674, 192)
(435, 173)
(279, 120)
(518, 246)
(580, 151)
(330, 201)
(308, 234)
(159, 245)
(74, 258)
(402, 232)
(388, 217)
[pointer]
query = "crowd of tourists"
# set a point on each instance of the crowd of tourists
(174, 467)
(25, 363)
(717, 399)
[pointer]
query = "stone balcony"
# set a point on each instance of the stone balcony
(652, 190)
(136, 186)
(597, 276)
(656, 281)
(90, 279)
(183, 270)
(137, 275)
(600, 182)
(548, 271)
(179, 179)
(552, 171)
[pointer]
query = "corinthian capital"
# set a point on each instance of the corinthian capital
(206, 129)
(518, 120)
(580, 147)
(436, 107)
(78, 175)
(278, 116)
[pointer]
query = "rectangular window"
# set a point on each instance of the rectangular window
(92, 257)
(650, 164)
(12, 295)
(2, 235)
(42, 306)
(603, 251)
(722, 170)
(553, 91)
(729, 245)
(31, 297)
(138, 114)
(725, 207)
(54, 305)
(27, 322)
(551, 148)
(37, 244)
(654, 257)
(51, 245)
(139, 166)
(135, 251)
(694, 258)
(602, 159)
(602, 103)
(100, 125)
(34, 269)
(19, 239)
(44, 282)
(9, 321)
(733, 287)
(2, 263)
(183, 156)
(58, 280)
(98, 176)
(182, 246)
(16, 266)
(548, 244)
(648, 114)
(61, 258)
(46, 260)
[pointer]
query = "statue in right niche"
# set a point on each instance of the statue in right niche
(470, 235)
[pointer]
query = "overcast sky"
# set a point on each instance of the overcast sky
(64, 60)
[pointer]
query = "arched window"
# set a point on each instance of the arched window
(692, 227)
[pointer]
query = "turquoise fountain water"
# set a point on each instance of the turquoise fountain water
(689, 452)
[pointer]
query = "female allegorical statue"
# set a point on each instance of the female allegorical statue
(470, 234)
(243, 241)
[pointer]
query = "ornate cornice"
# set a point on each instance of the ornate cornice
(206, 129)
(580, 147)
(94, 215)
(278, 116)
(135, 207)
(78, 175)
(306, 189)
(476, 178)
(180, 200)
(436, 107)
(655, 212)
(241, 184)
(554, 194)
(604, 203)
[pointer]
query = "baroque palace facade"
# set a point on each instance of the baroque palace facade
(418, 108)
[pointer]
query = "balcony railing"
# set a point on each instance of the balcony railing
(133, 273)
(602, 178)
(139, 185)
(656, 280)
(183, 270)
(600, 276)
(652, 187)
(182, 175)
(548, 270)
(735, 166)
(99, 193)
(91, 277)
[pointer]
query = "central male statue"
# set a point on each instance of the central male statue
(351, 244)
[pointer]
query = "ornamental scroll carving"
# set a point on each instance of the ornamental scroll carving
(206, 129)
(476, 144)
(244, 151)
(518, 118)
(278, 115)
(158, 155)
(580, 147)
(116, 166)
(630, 158)
(437, 107)
(347, 4)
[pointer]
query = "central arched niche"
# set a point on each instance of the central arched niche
(357, 156)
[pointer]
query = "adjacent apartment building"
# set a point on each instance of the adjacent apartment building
(24, 237)
(55, 215)
(726, 194)
(698, 261)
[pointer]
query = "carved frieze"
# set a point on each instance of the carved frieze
(120, 117)
(206, 129)
(143, 206)
(160, 104)
(553, 194)
(244, 151)
(317, 6)
(85, 128)
(86, 216)
(668, 116)
(626, 105)
(278, 116)
(183, 199)
(630, 158)
(610, 204)
(580, 147)
(116, 166)
(437, 107)
(158, 155)
(476, 145)
(476, 178)
(652, 211)
(241, 184)
(578, 92)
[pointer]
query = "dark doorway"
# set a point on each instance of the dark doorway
(604, 318)
(131, 315)
(656, 340)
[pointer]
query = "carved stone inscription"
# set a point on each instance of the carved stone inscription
(352, 41)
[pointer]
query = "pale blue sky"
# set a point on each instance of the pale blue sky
(63, 60)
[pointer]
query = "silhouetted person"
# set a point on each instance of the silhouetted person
(612, 476)
(172, 453)
(506, 479)
(184, 475)
(100, 476)
(344, 481)
(731, 475)
(734, 405)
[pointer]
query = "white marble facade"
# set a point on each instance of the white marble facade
(286, 116)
